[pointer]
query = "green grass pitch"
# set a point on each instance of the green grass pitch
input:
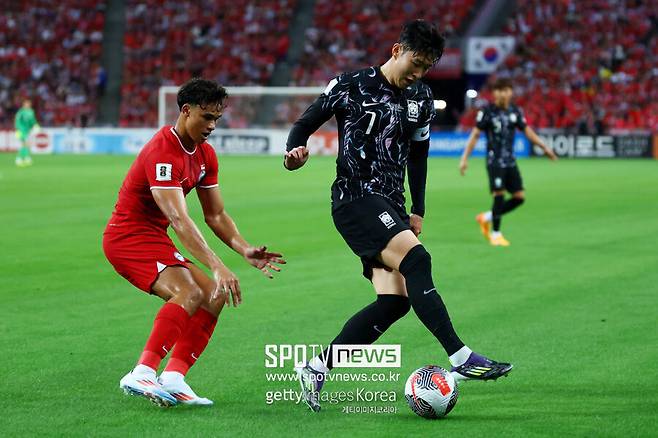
(572, 303)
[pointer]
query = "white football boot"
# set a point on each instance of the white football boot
(145, 384)
(174, 383)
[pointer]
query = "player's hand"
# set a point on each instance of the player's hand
(550, 154)
(463, 165)
(227, 285)
(296, 158)
(260, 258)
(416, 224)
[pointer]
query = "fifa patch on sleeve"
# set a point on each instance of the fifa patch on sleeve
(479, 116)
(163, 172)
(387, 220)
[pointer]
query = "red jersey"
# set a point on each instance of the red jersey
(163, 163)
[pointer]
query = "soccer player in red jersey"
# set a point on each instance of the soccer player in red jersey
(152, 197)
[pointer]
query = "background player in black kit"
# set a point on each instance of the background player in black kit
(383, 115)
(500, 121)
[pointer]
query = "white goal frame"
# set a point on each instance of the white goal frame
(238, 91)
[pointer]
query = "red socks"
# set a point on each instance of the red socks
(192, 342)
(167, 328)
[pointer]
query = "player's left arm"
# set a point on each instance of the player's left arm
(532, 135)
(417, 177)
(534, 139)
(219, 221)
(417, 168)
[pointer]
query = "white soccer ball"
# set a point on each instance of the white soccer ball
(431, 391)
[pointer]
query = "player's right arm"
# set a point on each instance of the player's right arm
(315, 116)
(470, 145)
(173, 206)
(481, 123)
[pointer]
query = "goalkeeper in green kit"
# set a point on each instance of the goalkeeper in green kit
(24, 122)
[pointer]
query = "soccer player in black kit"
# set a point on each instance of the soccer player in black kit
(500, 121)
(383, 115)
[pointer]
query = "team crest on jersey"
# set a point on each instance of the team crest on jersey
(512, 118)
(412, 110)
(202, 173)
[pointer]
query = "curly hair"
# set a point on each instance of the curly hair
(201, 92)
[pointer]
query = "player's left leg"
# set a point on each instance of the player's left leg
(192, 342)
(406, 254)
(517, 199)
(364, 327)
(27, 158)
(514, 185)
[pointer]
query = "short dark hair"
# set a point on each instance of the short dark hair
(201, 92)
(502, 83)
(419, 36)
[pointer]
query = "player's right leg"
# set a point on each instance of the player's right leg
(496, 237)
(21, 156)
(183, 297)
(364, 327)
(406, 254)
(192, 342)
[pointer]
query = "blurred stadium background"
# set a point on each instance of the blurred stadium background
(574, 297)
(584, 68)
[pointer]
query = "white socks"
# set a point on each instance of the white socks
(317, 364)
(495, 234)
(488, 216)
(460, 357)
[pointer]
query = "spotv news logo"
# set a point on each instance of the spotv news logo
(343, 355)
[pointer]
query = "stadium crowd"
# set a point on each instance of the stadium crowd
(606, 51)
(168, 41)
(347, 35)
(50, 53)
(588, 66)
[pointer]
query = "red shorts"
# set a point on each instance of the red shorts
(139, 258)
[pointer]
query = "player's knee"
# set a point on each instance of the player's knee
(192, 294)
(416, 259)
(520, 198)
(395, 306)
(215, 301)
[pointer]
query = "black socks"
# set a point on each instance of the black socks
(500, 207)
(367, 325)
(426, 302)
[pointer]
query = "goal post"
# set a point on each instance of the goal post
(249, 106)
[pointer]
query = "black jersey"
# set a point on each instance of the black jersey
(500, 126)
(377, 126)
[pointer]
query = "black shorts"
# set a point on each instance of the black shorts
(367, 224)
(504, 178)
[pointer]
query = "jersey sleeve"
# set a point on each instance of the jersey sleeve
(210, 179)
(520, 119)
(422, 133)
(163, 171)
(483, 119)
(325, 106)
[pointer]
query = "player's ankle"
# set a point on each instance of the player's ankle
(460, 356)
(169, 376)
(142, 369)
